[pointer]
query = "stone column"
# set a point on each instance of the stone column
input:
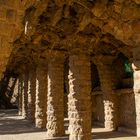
(79, 98)
(25, 96)
(41, 96)
(20, 96)
(31, 94)
(108, 81)
(136, 68)
(55, 106)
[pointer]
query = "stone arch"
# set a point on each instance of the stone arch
(95, 78)
(11, 28)
(124, 72)
(124, 91)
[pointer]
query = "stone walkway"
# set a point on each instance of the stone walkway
(13, 127)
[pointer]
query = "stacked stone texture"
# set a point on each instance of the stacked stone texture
(136, 68)
(97, 107)
(79, 100)
(111, 112)
(127, 109)
(108, 81)
(20, 88)
(31, 94)
(55, 106)
(11, 14)
(41, 97)
(25, 95)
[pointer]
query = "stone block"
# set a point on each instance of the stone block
(11, 15)
(7, 3)
(136, 53)
(6, 28)
(2, 13)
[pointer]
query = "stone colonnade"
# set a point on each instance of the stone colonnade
(46, 85)
(43, 102)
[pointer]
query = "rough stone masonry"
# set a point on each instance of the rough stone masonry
(39, 39)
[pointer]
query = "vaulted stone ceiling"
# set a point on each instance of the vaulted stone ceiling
(96, 26)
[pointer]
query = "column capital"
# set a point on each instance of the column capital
(50, 56)
(78, 51)
(136, 54)
(40, 61)
(25, 68)
(103, 59)
(54, 55)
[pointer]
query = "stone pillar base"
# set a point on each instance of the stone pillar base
(39, 123)
(20, 113)
(80, 137)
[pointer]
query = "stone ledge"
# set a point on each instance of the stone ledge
(97, 123)
(58, 138)
(124, 91)
(98, 92)
(119, 92)
(126, 130)
(120, 129)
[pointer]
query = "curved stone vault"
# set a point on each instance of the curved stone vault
(41, 40)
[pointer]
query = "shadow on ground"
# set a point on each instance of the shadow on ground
(62, 138)
(12, 124)
(110, 135)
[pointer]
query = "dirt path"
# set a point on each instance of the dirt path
(14, 127)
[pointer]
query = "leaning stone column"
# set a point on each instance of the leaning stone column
(25, 95)
(41, 96)
(55, 108)
(108, 81)
(136, 68)
(31, 94)
(20, 96)
(79, 99)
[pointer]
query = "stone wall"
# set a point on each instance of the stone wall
(11, 15)
(127, 114)
(97, 108)
(127, 110)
